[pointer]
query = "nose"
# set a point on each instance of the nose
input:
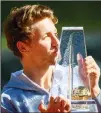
(55, 41)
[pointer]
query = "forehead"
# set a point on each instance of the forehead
(44, 26)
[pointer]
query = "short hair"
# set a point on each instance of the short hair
(17, 26)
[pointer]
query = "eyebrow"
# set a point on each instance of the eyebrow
(55, 31)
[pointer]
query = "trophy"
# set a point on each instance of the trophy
(69, 80)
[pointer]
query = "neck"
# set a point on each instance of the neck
(41, 76)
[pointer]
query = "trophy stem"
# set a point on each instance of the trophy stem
(70, 68)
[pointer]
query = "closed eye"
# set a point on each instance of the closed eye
(49, 34)
(45, 36)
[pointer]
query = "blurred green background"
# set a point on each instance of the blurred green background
(69, 13)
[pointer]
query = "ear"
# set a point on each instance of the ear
(22, 47)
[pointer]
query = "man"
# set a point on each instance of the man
(32, 36)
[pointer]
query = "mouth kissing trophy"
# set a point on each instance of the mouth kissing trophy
(69, 80)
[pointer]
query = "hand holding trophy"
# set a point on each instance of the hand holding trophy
(90, 73)
(58, 104)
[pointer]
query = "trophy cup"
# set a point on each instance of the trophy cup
(70, 82)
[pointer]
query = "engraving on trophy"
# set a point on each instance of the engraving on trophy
(81, 93)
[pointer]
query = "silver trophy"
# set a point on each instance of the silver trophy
(69, 80)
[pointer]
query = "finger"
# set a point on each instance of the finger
(92, 76)
(58, 99)
(58, 110)
(68, 105)
(80, 60)
(63, 102)
(90, 61)
(81, 64)
(51, 100)
(92, 72)
(57, 102)
(42, 108)
(65, 105)
(66, 111)
(89, 58)
(54, 104)
(67, 108)
(89, 66)
(92, 67)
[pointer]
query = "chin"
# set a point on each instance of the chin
(53, 61)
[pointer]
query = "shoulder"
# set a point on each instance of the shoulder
(10, 94)
(6, 101)
(10, 91)
(14, 99)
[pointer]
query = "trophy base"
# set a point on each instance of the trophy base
(80, 111)
(83, 106)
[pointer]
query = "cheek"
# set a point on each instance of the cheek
(43, 48)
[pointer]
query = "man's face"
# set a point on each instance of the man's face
(45, 46)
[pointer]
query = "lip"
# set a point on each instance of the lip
(55, 52)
